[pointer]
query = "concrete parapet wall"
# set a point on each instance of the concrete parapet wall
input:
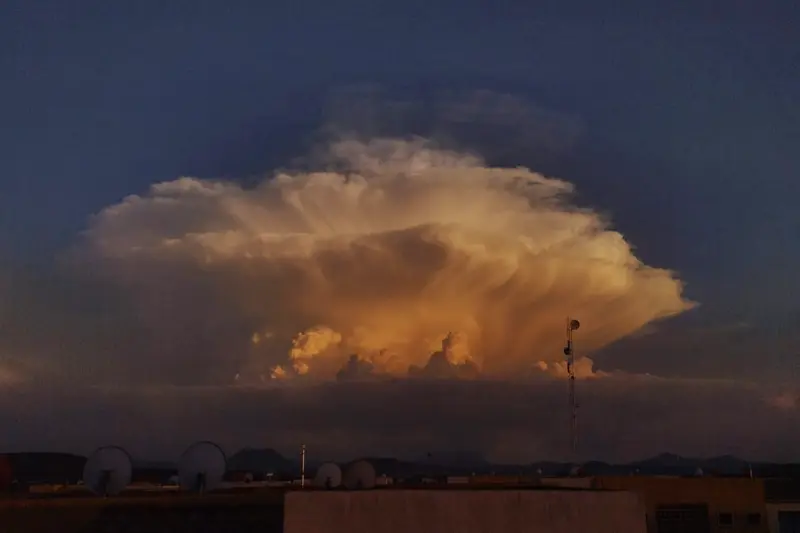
(464, 511)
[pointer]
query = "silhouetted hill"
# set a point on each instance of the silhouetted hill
(726, 465)
(600, 468)
(265, 460)
(46, 467)
(671, 464)
(662, 459)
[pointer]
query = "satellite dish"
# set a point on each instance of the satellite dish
(107, 471)
(201, 467)
(328, 476)
(359, 475)
(574, 324)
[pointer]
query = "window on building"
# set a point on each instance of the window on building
(725, 519)
(691, 518)
(753, 519)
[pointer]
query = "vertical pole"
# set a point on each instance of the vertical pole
(303, 465)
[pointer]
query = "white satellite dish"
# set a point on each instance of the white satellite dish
(108, 471)
(328, 476)
(359, 475)
(201, 467)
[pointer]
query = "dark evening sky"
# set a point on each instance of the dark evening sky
(677, 121)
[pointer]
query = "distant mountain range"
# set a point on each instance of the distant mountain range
(267, 460)
(60, 468)
(264, 460)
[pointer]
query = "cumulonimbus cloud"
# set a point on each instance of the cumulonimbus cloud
(391, 247)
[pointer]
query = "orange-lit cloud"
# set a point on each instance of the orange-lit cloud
(10, 376)
(385, 251)
(785, 400)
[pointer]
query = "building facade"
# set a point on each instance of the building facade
(697, 504)
(783, 505)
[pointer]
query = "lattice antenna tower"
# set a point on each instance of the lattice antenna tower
(569, 352)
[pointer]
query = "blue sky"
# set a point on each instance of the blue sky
(690, 112)
(687, 116)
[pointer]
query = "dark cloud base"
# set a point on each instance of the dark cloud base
(620, 419)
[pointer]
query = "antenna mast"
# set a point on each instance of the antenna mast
(569, 352)
(303, 465)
